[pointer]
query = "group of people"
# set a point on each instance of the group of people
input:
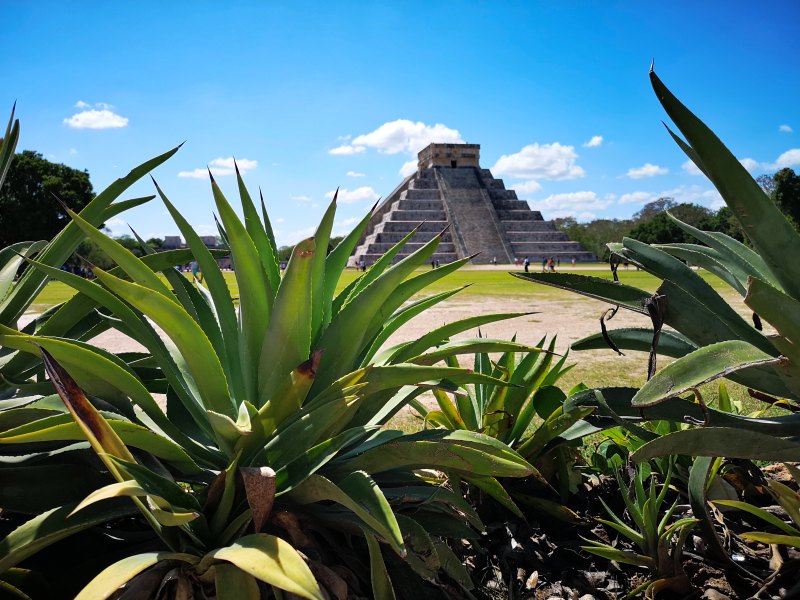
(548, 264)
(80, 270)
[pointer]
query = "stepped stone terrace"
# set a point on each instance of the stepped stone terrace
(450, 190)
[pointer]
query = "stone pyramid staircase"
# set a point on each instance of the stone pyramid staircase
(480, 215)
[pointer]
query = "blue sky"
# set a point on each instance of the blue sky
(310, 96)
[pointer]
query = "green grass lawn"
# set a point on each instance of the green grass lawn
(482, 282)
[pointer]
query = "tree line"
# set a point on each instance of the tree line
(652, 226)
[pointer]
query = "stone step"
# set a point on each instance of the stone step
(500, 193)
(432, 194)
(517, 215)
(501, 204)
(392, 237)
(417, 215)
(427, 183)
(537, 236)
(535, 225)
(419, 205)
(443, 257)
(382, 248)
(406, 226)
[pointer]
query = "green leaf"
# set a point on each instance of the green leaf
(262, 240)
(230, 583)
(381, 584)
(699, 367)
(112, 578)
(593, 287)
(273, 561)
(761, 514)
(255, 293)
(54, 525)
(721, 441)
(773, 237)
(670, 343)
(360, 494)
(190, 339)
(772, 538)
(287, 341)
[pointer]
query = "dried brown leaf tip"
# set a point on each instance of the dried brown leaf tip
(259, 487)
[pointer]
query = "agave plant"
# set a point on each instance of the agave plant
(789, 501)
(709, 338)
(657, 538)
(272, 440)
(527, 415)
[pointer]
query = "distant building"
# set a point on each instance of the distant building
(172, 242)
(450, 192)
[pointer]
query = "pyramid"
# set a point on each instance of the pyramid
(449, 190)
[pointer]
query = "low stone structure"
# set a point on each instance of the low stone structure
(451, 191)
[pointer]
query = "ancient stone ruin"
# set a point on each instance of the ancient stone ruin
(449, 188)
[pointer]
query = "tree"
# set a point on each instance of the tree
(651, 209)
(786, 194)
(28, 206)
(660, 229)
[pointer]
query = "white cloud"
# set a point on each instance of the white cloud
(117, 226)
(221, 167)
(100, 117)
(403, 135)
(790, 158)
(578, 204)
(346, 150)
(785, 129)
(540, 161)
(646, 170)
(73, 151)
(408, 168)
(694, 194)
(345, 226)
(595, 142)
(527, 187)
(636, 198)
(352, 196)
(355, 174)
(293, 237)
(749, 164)
(691, 168)
(301, 198)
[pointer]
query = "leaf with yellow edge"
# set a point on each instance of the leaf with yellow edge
(273, 561)
(112, 578)
(128, 488)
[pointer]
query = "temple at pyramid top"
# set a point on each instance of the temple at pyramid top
(449, 190)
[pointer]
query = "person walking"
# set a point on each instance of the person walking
(526, 263)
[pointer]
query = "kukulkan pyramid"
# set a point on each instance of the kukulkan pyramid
(449, 187)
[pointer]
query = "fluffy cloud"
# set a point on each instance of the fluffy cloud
(540, 161)
(646, 170)
(750, 164)
(116, 226)
(595, 142)
(344, 227)
(346, 150)
(355, 174)
(636, 198)
(579, 204)
(408, 168)
(785, 129)
(790, 158)
(401, 135)
(99, 116)
(303, 199)
(357, 195)
(221, 167)
(527, 187)
(691, 168)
